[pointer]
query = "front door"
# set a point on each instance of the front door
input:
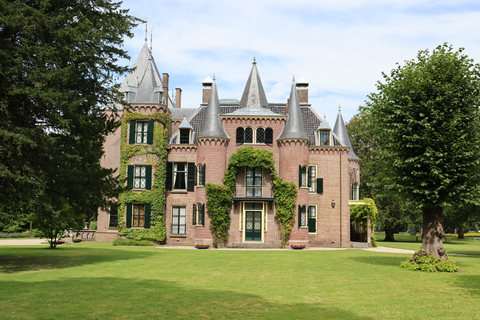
(253, 226)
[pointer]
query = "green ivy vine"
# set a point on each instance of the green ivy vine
(157, 157)
(220, 196)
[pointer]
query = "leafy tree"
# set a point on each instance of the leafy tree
(58, 62)
(393, 212)
(425, 115)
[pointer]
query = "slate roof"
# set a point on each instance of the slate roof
(294, 128)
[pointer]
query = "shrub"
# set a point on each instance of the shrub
(424, 261)
(131, 242)
(18, 235)
(93, 225)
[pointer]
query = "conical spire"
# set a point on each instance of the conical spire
(212, 125)
(254, 101)
(341, 132)
(145, 80)
(293, 128)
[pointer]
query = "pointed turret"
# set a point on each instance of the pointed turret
(293, 128)
(144, 84)
(341, 131)
(212, 125)
(254, 101)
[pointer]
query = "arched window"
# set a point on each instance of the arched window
(240, 135)
(260, 135)
(269, 135)
(248, 135)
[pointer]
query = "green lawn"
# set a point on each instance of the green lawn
(452, 244)
(99, 281)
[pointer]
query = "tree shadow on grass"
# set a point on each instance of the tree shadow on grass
(117, 298)
(24, 258)
(383, 260)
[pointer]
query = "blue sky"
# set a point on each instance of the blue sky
(341, 47)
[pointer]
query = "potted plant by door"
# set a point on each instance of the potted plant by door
(202, 246)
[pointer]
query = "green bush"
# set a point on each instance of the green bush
(424, 261)
(131, 242)
(93, 225)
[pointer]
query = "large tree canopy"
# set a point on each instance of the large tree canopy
(425, 115)
(58, 63)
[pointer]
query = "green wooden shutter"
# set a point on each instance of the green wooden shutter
(148, 213)
(194, 215)
(133, 126)
(191, 176)
(169, 178)
(299, 216)
(359, 191)
(319, 185)
(130, 170)
(148, 180)
(129, 215)
(195, 182)
(202, 214)
(150, 132)
(204, 176)
(299, 176)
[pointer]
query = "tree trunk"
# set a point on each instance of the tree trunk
(461, 232)
(432, 232)
(389, 233)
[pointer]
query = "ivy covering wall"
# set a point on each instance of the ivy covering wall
(157, 158)
(220, 196)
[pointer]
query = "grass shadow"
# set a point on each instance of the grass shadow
(29, 258)
(116, 298)
(381, 260)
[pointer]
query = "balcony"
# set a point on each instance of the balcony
(251, 193)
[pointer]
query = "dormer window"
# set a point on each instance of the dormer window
(184, 136)
(325, 137)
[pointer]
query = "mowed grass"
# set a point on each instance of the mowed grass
(403, 240)
(99, 281)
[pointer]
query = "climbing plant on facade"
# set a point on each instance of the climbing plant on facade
(220, 197)
(157, 157)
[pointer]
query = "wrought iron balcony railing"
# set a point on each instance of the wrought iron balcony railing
(253, 192)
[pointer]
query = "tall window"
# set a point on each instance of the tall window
(138, 215)
(312, 219)
(178, 220)
(141, 132)
(248, 135)
(179, 176)
(302, 216)
(201, 174)
(140, 178)
(113, 221)
(312, 177)
(184, 136)
(302, 176)
(355, 191)
(324, 137)
(254, 182)
(198, 214)
(260, 135)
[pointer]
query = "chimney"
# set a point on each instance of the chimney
(302, 90)
(165, 87)
(178, 98)
(207, 87)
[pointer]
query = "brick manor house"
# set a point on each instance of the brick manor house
(166, 155)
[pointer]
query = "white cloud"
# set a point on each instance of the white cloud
(340, 46)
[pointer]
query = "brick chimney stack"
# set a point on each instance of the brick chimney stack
(207, 87)
(178, 98)
(302, 90)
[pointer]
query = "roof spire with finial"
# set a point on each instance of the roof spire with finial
(341, 131)
(212, 125)
(151, 40)
(146, 32)
(293, 128)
